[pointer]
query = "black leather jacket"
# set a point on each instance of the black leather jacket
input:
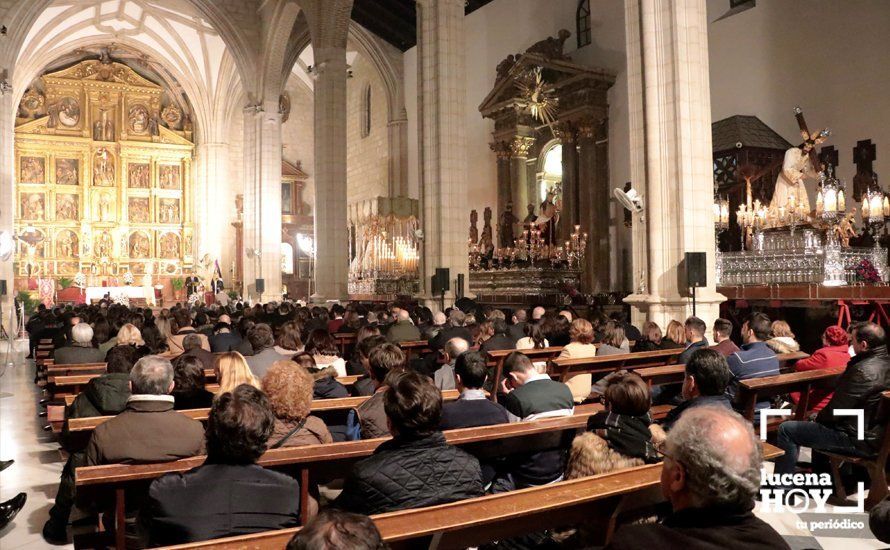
(860, 387)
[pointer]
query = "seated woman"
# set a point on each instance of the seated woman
(288, 341)
(783, 339)
(188, 384)
(581, 346)
(323, 348)
(128, 335)
(534, 338)
(614, 341)
(832, 355)
(675, 336)
(365, 384)
(651, 340)
(289, 388)
(354, 366)
(326, 384)
(622, 436)
(232, 371)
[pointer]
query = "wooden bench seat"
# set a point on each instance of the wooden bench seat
(753, 390)
(473, 522)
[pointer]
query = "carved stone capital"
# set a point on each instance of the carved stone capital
(521, 145)
(503, 149)
(565, 132)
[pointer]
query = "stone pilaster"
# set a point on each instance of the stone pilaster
(519, 180)
(262, 200)
(7, 195)
(504, 152)
(397, 136)
(213, 209)
(442, 82)
(670, 145)
(593, 208)
(566, 133)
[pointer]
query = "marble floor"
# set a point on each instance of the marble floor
(38, 464)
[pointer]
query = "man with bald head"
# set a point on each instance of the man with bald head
(710, 475)
(224, 338)
(444, 376)
(403, 330)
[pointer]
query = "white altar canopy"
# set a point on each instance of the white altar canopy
(96, 293)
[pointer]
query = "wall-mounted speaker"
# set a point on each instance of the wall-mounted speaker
(696, 269)
(260, 286)
(441, 280)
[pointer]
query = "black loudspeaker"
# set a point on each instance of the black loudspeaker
(696, 269)
(3, 287)
(260, 286)
(460, 285)
(441, 280)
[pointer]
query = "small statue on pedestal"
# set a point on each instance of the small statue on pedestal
(487, 241)
(505, 226)
(474, 231)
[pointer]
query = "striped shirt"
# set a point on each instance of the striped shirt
(754, 360)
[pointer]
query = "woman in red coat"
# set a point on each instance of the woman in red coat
(833, 355)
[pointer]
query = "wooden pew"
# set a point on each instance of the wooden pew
(344, 341)
(761, 389)
(496, 360)
(419, 347)
(474, 522)
(876, 465)
(81, 368)
(328, 461)
(674, 374)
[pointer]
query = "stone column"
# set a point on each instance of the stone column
(670, 138)
(593, 208)
(519, 187)
(262, 200)
(442, 82)
(568, 217)
(504, 152)
(213, 209)
(7, 197)
(397, 136)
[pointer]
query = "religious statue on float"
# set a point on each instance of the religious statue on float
(790, 199)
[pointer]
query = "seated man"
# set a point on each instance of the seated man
(710, 475)
(722, 332)
(417, 467)
(444, 375)
(229, 494)
(81, 350)
(333, 530)
(755, 359)
(191, 345)
(183, 321)
(224, 338)
(384, 359)
(403, 330)
(365, 384)
(473, 407)
(694, 329)
(263, 344)
(859, 388)
(531, 396)
(454, 329)
(707, 376)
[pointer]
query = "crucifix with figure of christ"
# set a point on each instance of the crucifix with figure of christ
(790, 194)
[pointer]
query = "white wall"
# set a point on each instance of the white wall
(828, 57)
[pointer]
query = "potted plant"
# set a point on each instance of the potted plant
(24, 297)
(178, 284)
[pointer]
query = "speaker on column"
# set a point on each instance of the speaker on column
(3, 287)
(440, 280)
(696, 269)
(260, 286)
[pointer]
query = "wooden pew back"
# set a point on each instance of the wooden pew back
(761, 389)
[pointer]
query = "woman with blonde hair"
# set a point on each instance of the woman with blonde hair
(651, 339)
(290, 387)
(232, 371)
(129, 335)
(783, 340)
(675, 336)
(164, 327)
(580, 346)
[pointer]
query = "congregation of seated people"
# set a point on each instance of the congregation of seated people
(270, 361)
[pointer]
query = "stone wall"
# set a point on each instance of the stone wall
(298, 133)
(367, 156)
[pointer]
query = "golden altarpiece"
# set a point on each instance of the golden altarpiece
(103, 177)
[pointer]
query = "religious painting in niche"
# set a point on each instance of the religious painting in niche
(140, 246)
(33, 170)
(37, 249)
(287, 200)
(33, 206)
(137, 268)
(187, 245)
(103, 127)
(171, 115)
(169, 246)
(32, 102)
(66, 171)
(138, 175)
(169, 176)
(69, 112)
(168, 210)
(67, 268)
(138, 210)
(66, 244)
(287, 259)
(138, 119)
(103, 211)
(66, 207)
(103, 168)
(103, 245)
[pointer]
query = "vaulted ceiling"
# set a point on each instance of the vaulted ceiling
(396, 20)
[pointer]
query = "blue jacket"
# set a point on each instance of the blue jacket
(754, 360)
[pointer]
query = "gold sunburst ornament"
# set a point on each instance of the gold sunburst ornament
(538, 96)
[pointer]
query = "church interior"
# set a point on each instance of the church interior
(658, 159)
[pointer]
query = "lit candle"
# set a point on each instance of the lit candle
(841, 201)
(886, 207)
(865, 212)
(830, 201)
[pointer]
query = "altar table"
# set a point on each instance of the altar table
(98, 292)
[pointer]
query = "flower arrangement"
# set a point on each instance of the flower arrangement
(866, 272)
(128, 278)
(80, 280)
(121, 299)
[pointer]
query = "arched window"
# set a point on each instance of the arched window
(366, 111)
(582, 23)
(550, 176)
(287, 259)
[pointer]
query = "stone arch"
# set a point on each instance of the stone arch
(271, 75)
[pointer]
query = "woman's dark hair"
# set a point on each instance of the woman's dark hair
(627, 393)
(188, 374)
(239, 426)
(289, 336)
(365, 346)
(306, 360)
(244, 326)
(101, 332)
(613, 334)
(333, 529)
(320, 342)
(151, 335)
(413, 405)
(533, 331)
(121, 359)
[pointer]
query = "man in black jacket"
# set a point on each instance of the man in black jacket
(229, 494)
(455, 329)
(707, 376)
(417, 467)
(709, 447)
(695, 338)
(859, 388)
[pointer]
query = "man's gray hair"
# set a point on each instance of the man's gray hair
(706, 442)
(439, 318)
(151, 375)
(456, 346)
(82, 333)
(457, 317)
(520, 315)
(191, 341)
